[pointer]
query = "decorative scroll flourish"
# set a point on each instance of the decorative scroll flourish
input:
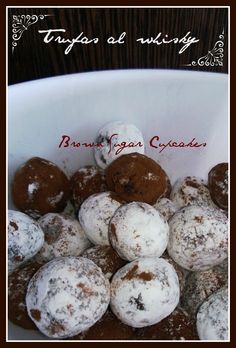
(214, 57)
(21, 23)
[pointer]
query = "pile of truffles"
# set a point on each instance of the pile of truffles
(135, 259)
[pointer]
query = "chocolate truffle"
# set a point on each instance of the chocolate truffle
(108, 328)
(63, 237)
(191, 190)
(25, 238)
(166, 207)
(117, 138)
(177, 326)
(95, 214)
(218, 184)
(85, 182)
(17, 287)
(212, 317)
(67, 296)
(40, 187)
(144, 291)
(200, 285)
(106, 258)
(136, 177)
(198, 237)
(138, 230)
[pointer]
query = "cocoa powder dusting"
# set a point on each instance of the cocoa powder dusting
(113, 231)
(36, 314)
(14, 225)
(147, 276)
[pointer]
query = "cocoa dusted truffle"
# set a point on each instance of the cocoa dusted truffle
(199, 286)
(177, 326)
(136, 177)
(40, 187)
(107, 328)
(85, 182)
(106, 258)
(17, 288)
(218, 184)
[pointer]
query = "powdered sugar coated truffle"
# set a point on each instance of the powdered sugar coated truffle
(117, 133)
(191, 190)
(166, 207)
(212, 317)
(95, 214)
(63, 237)
(138, 230)
(144, 292)
(198, 237)
(67, 296)
(25, 238)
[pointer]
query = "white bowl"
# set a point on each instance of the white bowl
(174, 105)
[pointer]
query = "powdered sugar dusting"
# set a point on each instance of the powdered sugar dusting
(144, 292)
(63, 237)
(198, 237)
(25, 238)
(137, 230)
(95, 214)
(67, 296)
(212, 317)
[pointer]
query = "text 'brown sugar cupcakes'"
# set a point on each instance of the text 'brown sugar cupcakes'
(136, 177)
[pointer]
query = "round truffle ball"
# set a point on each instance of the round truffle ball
(25, 238)
(40, 187)
(67, 296)
(108, 328)
(144, 292)
(63, 237)
(212, 317)
(85, 182)
(95, 214)
(200, 285)
(166, 207)
(191, 190)
(136, 177)
(218, 184)
(138, 230)
(106, 258)
(17, 287)
(198, 237)
(117, 138)
(177, 326)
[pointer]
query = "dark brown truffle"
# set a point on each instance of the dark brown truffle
(107, 328)
(177, 326)
(218, 184)
(136, 177)
(106, 258)
(17, 288)
(85, 182)
(40, 187)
